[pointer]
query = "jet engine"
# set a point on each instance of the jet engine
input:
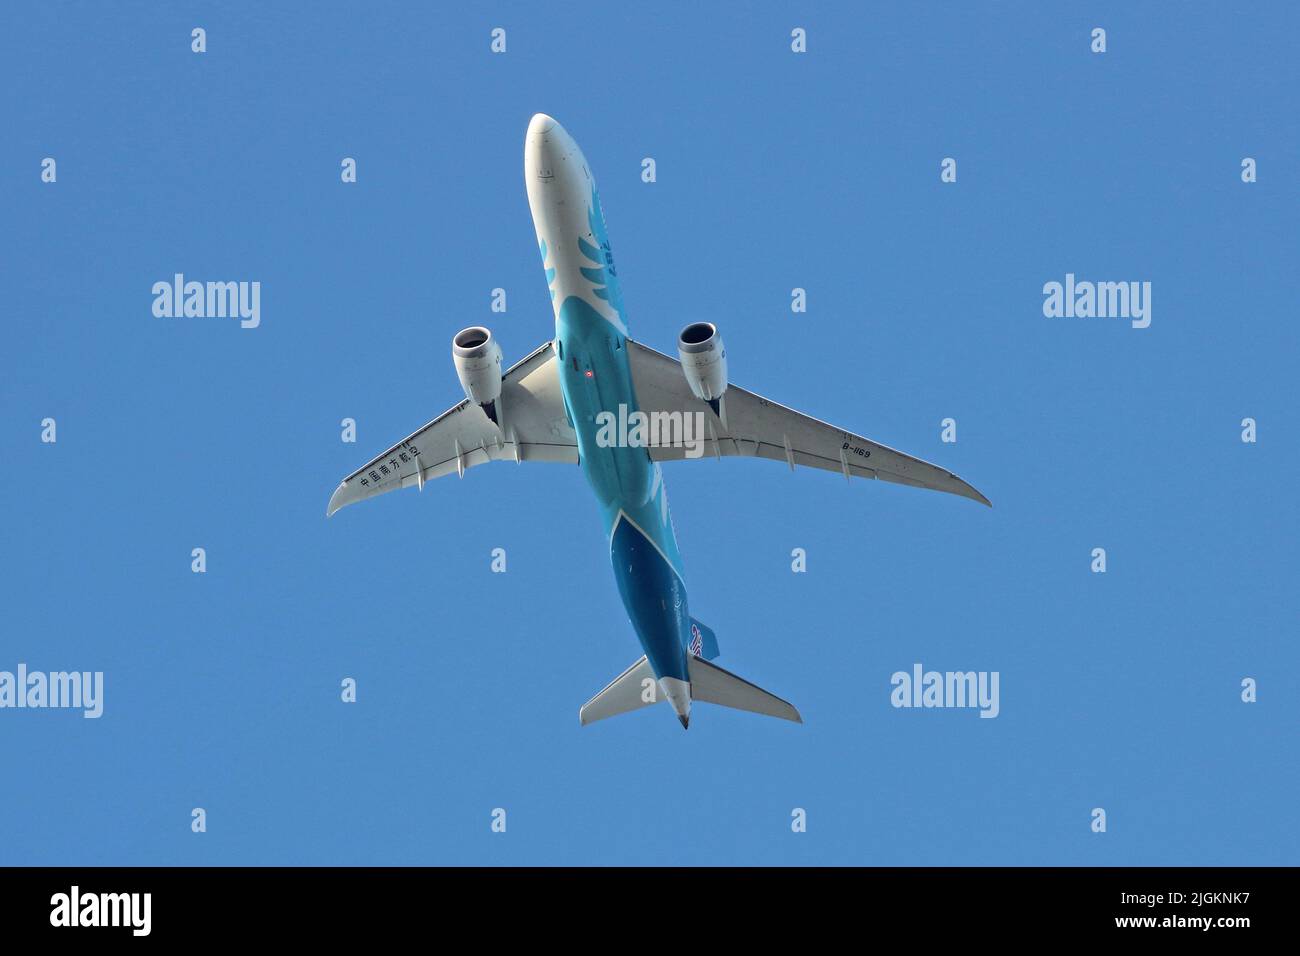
(704, 361)
(478, 366)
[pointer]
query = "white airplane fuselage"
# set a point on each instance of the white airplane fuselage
(595, 377)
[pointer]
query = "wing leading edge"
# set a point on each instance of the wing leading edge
(752, 426)
(534, 427)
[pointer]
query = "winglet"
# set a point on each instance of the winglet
(947, 482)
(342, 496)
(967, 490)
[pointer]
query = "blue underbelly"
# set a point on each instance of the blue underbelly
(654, 596)
(595, 377)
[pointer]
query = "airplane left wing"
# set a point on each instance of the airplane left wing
(751, 425)
(534, 427)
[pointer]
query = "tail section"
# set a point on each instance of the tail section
(710, 683)
(637, 687)
(703, 643)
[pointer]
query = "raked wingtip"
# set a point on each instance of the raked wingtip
(337, 500)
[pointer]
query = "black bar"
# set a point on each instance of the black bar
(335, 905)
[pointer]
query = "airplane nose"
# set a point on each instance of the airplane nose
(547, 150)
(541, 123)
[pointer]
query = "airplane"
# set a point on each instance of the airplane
(556, 405)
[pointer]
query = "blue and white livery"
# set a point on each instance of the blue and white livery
(555, 405)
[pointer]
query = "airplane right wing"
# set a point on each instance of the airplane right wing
(534, 427)
(753, 426)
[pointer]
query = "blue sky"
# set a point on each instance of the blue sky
(775, 170)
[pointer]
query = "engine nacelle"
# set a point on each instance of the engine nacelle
(478, 366)
(704, 361)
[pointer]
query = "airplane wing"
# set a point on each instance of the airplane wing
(753, 426)
(534, 427)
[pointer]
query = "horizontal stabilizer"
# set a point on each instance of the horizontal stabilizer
(627, 691)
(710, 683)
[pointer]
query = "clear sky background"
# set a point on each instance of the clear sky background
(775, 170)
